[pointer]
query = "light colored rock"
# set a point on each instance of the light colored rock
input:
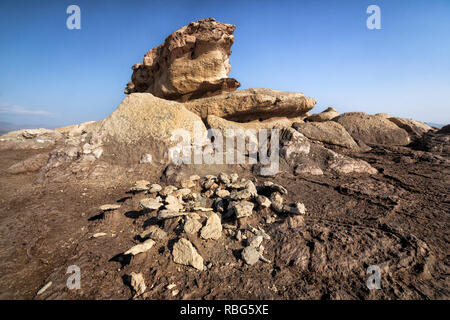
(373, 129)
(325, 115)
(304, 168)
(187, 184)
(109, 207)
(140, 185)
(168, 214)
(298, 209)
(98, 235)
(293, 144)
(415, 129)
(234, 177)
(150, 203)
(263, 201)
(141, 247)
(192, 62)
(329, 132)
(221, 193)
(224, 178)
(194, 177)
(44, 288)
(242, 209)
(212, 229)
(277, 202)
(191, 225)
(252, 104)
(254, 241)
(137, 283)
(184, 253)
(345, 165)
(154, 233)
(167, 191)
(250, 255)
(155, 188)
(146, 158)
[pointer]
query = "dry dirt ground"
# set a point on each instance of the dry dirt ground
(397, 219)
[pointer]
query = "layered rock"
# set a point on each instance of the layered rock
(253, 104)
(192, 62)
(325, 115)
(329, 132)
(373, 129)
(415, 129)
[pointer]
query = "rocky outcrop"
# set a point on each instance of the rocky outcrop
(253, 104)
(373, 129)
(329, 132)
(325, 115)
(415, 129)
(144, 124)
(192, 62)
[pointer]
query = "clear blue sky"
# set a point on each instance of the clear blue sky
(51, 76)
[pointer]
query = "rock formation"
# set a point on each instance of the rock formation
(325, 115)
(192, 62)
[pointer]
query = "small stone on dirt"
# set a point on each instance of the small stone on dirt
(184, 253)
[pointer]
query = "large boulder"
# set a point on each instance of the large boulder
(415, 129)
(373, 129)
(144, 124)
(329, 132)
(192, 62)
(325, 115)
(253, 104)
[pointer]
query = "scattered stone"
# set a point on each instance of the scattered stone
(270, 219)
(224, 178)
(234, 177)
(154, 233)
(168, 214)
(304, 168)
(277, 202)
(212, 229)
(298, 208)
(187, 184)
(98, 235)
(250, 255)
(194, 177)
(109, 207)
(171, 286)
(242, 209)
(141, 185)
(221, 193)
(278, 188)
(203, 209)
(254, 241)
(167, 191)
(155, 188)
(263, 202)
(42, 290)
(140, 248)
(296, 221)
(151, 203)
(191, 225)
(184, 253)
(258, 232)
(137, 283)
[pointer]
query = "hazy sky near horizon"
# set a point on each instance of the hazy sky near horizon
(51, 76)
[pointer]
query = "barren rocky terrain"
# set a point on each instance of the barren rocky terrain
(350, 191)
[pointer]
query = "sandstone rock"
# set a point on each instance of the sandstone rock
(168, 214)
(415, 129)
(194, 177)
(277, 202)
(373, 129)
(184, 253)
(155, 188)
(325, 115)
(146, 158)
(192, 62)
(141, 247)
(144, 123)
(234, 177)
(293, 144)
(98, 235)
(328, 132)
(187, 184)
(137, 283)
(276, 188)
(212, 229)
(298, 209)
(254, 241)
(221, 193)
(344, 165)
(167, 191)
(150, 203)
(263, 201)
(252, 104)
(296, 221)
(304, 168)
(30, 164)
(109, 207)
(141, 185)
(191, 225)
(250, 255)
(242, 209)
(224, 178)
(154, 232)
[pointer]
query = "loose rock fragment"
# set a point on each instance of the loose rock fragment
(154, 232)
(155, 188)
(109, 207)
(242, 209)
(137, 283)
(140, 185)
(140, 248)
(221, 193)
(150, 203)
(98, 235)
(184, 253)
(212, 229)
(191, 225)
(41, 291)
(168, 214)
(263, 201)
(250, 255)
(224, 178)
(254, 241)
(167, 190)
(277, 202)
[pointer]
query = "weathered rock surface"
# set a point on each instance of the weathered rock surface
(329, 132)
(184, 253)
(212, 229)
(415, 129)
(31, 164)
(137, 283)
(252, 104)
(144, 123)
(373, 129)
(192, 62)
(325, 115)
(141, 247)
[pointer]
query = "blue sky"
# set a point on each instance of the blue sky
(51, 76)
